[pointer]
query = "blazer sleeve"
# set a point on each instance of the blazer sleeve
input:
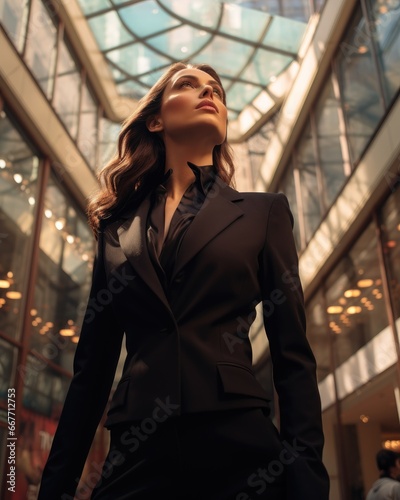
(294, 365)
(95, 363)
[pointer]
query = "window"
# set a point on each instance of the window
(355, 303)
(391, 244)
(18, 194)
(14, 16)
(41, 48)
(359, 84)
(64, 277)
(67, 94)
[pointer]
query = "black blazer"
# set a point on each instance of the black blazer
(190, 351)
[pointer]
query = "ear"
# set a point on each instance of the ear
(154, 124)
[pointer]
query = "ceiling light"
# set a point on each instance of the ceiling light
(364, 419)
(67, 332)
(70, 239)
(18, 178)
(4, 284)
(48, 213)
(352, 293)
(3, 163)
(59, 223)
(13, 295)
(365, 283)
(354, 310)
(334, 309)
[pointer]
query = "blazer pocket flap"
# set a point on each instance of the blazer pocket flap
(119, 398)
(238, 379)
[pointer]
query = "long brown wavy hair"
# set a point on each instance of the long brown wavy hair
(139, 162)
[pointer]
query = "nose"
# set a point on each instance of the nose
(207, 91)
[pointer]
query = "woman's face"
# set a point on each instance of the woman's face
(192, 106)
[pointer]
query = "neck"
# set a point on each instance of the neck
(177, 158)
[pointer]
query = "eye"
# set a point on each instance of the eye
(186, 83)
(218, 92)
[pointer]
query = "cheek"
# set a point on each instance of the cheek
(173, 104)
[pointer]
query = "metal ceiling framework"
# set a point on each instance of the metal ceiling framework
(255, 53)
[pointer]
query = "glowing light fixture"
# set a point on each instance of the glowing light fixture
(365, 283)
(354, 310)
(334, 309)
(4, 284)
(67, 332)
(352, 293)
(59, 223)
(14, 295)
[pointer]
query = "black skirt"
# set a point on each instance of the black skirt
(231, 455)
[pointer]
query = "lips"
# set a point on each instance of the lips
(207, 103)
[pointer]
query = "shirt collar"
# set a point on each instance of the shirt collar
(204, 177)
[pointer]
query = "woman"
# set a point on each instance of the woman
(183, 259)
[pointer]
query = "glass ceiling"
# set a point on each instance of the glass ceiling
(249, 48)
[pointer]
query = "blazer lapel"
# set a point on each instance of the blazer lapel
(217, 213)
(133, 240)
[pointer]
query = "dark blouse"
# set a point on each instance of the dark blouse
(164, 250)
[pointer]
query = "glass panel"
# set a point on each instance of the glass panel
(391, 238)
(264, 66)
(44, 389)
(285, 34)
(62, 287)
(87, 140)
(386, 29)
(8, 361)
(184, 40)
(240, 94)
(318, 335)
(132, 89)
(243, 23)
(41, 48)
(109, 132)
(306, 164)
(91, 6)
(204, 13)
(330, 141)
(231, 56)
(109, 31)
(137, 59)
(258, 144)
(67, 89)
(355, 304)
(18, 194)
(146, 18)
(359, 85)
(14, 17)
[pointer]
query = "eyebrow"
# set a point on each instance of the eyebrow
(193, 77)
